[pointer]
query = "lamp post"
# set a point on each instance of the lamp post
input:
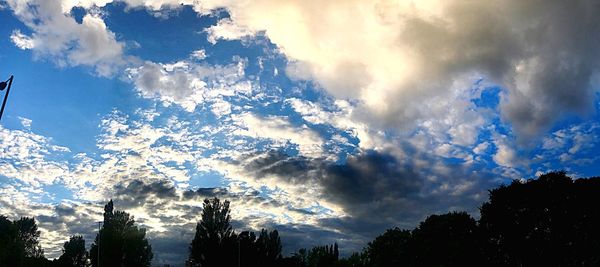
(99, 237)
(2, 86)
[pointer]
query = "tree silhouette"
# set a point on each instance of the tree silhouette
(29, 235)
(74, 253)
(450, 239)
(19, 244)
(214, 243)
(12, 250)
(549, 221)
(121, 242)
(318, 256)
(356, 259)
(268, 247)
(389, 249)
(248, 253)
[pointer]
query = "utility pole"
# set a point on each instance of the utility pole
(2, 86)
(99, 223)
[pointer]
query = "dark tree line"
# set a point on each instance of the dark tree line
(550, 221)
(216, 244)
(121, 244)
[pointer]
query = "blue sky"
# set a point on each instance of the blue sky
(328, 121)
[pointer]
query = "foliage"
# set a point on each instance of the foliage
(551, 221)
(268, 246)
(214, 242)
(322, 256)
(121, 242)
(19, 244)
(12, 250)
(450, 239)
(356, 259)
(29, 235)
(74, 253)
(389, 249)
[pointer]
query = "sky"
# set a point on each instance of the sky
(329, 121)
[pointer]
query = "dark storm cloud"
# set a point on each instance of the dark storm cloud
(205, 192)
(560, 66)
(137, 192)
(160, 188)
(367, 177)
(375, 189)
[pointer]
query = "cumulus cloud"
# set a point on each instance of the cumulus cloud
(394, 56)
(57, 36)
(141, 167)
(405, 79)
(190, 84)
(21, 40)
(279, 129)
(25, 157)
(572, 145)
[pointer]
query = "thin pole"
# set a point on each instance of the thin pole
(6, 95)
(99, 243)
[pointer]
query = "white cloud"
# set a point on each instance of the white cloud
(227, 30)
(22, 41)
(571, 145)
(56, 35)
(280, 129)
(394, 56)
(481, 148)
(24, 157)
(190, 84)
(199, 54)
(138, 158)
(505, 155)
(26, 123)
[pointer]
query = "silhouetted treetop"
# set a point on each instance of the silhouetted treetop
(389, 249)
(74, 253)
(551, 221)
(29, 235)
(214, 242)
(450, 239)
(121, 242)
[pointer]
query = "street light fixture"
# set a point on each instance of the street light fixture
(4, 85)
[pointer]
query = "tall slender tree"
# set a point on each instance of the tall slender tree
(269, 247)
(214, 243)
(121, 242)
